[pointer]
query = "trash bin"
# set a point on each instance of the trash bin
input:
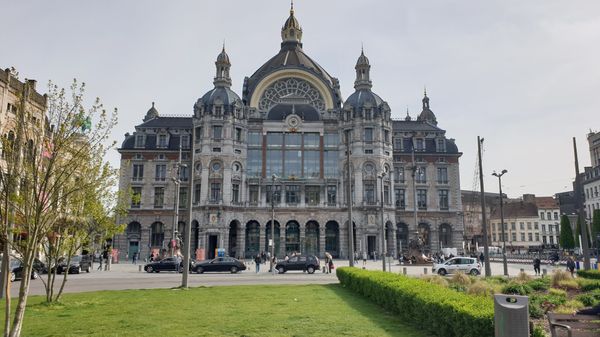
(511, 316)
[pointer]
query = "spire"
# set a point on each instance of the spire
(291, 32)
(363, 69)
(222, 64)
(427, 115)
(407, 118)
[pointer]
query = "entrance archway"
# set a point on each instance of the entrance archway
(292, 237)
(277, 237)
(134, 235)
(445, 235)
(332, 238)
(157, 234)
(233, 237)
(311, 245)
(252, 239)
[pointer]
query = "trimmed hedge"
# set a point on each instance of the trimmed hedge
(592, 274)
(439, 310)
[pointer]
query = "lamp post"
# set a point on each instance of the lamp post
(499, 175)
(383, 245)
(272, 243)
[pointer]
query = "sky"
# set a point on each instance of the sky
(524, 75)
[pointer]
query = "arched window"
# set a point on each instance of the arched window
(157, 234)
(445, 235)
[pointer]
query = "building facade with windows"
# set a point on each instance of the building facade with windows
(591, 177)
(282, 146)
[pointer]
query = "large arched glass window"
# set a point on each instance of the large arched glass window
(292, 237)
(252, 239)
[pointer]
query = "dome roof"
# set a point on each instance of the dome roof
(151, 114)
(363, 98)
(290, 56)
(218, 95)
(223, 57)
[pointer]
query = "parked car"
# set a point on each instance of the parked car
(16, 267)
(77, 264)
(463, 264)
(227, 263)
(174, 263)
(308, 263)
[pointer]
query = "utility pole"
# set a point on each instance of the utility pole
(581, 212)
(349, 201)
(188, 229)
(486, 250)
(504, 262)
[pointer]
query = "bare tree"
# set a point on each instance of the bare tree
(47, 169)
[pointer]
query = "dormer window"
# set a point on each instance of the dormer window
(420, 146)
(162, 141)
(185, 141)
(218, 111)
(441, 145)
(139, 140)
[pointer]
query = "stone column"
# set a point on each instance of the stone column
(242, 242)
(321, 241)
(303, 238)
(261, 238)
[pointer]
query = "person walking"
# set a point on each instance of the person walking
(571, 266)
(481, 258)
(536, 265)
(100, 263)
(257, 261)
(364, 256)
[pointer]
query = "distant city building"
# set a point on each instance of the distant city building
(529, 222)
(290, 123)
(472, 215)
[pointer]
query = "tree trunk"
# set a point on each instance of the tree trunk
(17, 324)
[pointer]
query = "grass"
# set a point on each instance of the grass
(287, 310)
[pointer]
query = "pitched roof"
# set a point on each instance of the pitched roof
(546, 202)
(518, 209)
(168, 122)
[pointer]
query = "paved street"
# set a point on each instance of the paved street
(128, 276)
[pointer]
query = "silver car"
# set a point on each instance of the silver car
(467, 265)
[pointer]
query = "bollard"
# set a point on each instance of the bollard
(511, 316)
(404, 270)
(425, 271)
(140, 267)
(544, 272)
(522, 270)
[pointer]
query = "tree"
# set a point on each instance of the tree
(51, 170)
(578, 232)
(566, 233)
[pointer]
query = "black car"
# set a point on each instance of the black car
(77, 264)
(308, 263)
(16, 266)
(220, 264)
(168, 264)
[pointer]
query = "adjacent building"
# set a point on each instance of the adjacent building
(591, 177)
(278, 151)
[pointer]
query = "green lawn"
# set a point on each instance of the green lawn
(299, 310)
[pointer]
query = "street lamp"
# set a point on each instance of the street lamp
(273, 177)
(383, 245)
(499, 175)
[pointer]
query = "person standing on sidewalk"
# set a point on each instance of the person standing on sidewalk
(571, 266)
(536, 265)
(257, 261)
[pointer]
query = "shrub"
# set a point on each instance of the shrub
(559, 275)
(569, 307)
(522, 278)
(461, 279)
(497, 279)
(568, 284)
(437, 279)
(557, 292)
(514, 288)
(588, 284)
(538, 331)
(539, 284)
(481, 288)
(439, 310)
(590, 274)
(590, 299)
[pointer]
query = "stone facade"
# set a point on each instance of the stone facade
(281, 148)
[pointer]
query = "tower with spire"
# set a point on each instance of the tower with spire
(291, 31)
(223, 65)
(426, 114)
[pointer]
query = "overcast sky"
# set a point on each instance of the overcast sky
(525, 75)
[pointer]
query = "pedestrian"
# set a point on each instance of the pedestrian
(135, 257)
(127, 256)
(536, 265)
(571, 266)
(257, 262)
(287, 258)
(100, 265)
(481, 258)
(364, 256)
(328, 262)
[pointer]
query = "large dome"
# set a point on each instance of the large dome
(220, 96)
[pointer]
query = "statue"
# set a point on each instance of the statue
(416, 249)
